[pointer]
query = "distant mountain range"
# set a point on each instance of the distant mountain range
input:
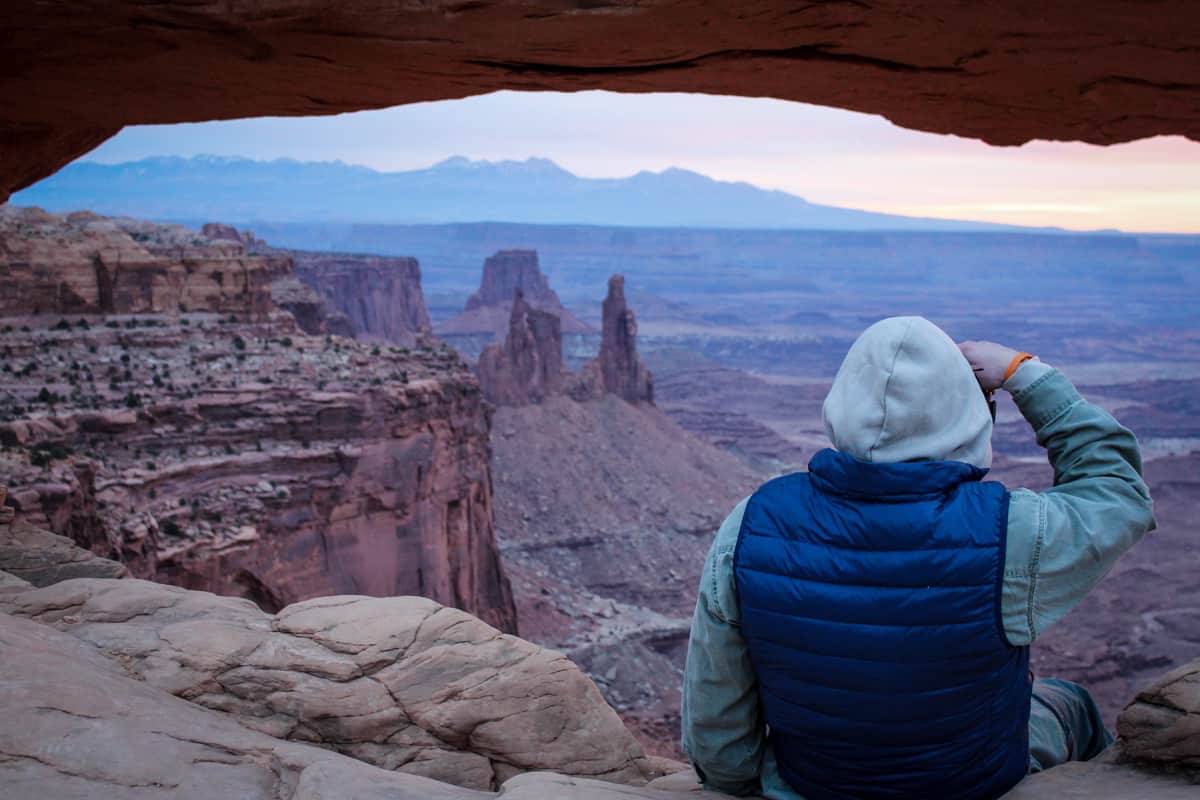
(455, 190)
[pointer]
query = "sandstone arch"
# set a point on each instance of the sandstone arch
(1101, 72)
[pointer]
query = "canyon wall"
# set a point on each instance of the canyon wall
(380, 296)
(233, 453)
(369, 297)
(85, 263)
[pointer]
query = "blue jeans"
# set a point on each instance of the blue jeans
(1064, 725)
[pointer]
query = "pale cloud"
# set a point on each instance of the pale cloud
(825, 155)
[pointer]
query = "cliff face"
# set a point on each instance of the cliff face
(242, 457)
(380, 296)
(528, 367)
(84, 263)
(488, 309)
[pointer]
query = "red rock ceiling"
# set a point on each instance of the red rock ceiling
(76, 71)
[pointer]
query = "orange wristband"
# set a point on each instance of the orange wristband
(1017, 361)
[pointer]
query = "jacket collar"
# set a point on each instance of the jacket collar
(838, 473)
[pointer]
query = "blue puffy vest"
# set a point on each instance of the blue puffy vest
(869, 597)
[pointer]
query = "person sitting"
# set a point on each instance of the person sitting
(862, 629)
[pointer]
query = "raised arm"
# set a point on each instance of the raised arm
(1061, 542)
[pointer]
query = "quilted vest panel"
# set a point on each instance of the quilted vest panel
(869, 597)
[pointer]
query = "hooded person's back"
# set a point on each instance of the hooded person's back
(869, 587)
(862, 630)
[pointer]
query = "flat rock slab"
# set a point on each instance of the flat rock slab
(1093, 781)
(76, 727)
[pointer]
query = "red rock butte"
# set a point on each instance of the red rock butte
(1105, 72)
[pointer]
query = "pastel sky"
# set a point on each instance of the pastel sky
(825, 155)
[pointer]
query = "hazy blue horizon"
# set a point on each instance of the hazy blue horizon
(828, 156)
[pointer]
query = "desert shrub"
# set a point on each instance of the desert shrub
(239, 342)
(171, 527)
(132, 400)
(43, 453)
(61, 325)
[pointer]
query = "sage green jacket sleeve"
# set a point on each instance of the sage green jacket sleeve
(1061, 542)
(723, 731)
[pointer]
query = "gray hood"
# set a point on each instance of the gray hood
(905, 393)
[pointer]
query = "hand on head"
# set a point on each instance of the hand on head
(990, 361)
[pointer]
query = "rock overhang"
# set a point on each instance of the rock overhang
(1005, 73)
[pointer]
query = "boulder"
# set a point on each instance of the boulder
(401, 682)
(86, 730)
(1161, 727)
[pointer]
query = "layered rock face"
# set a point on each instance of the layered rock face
(489, 309)
(617, 370)
(84, 263)
(1000, 73)
(528, 367)
(379, 296)
(246, 458)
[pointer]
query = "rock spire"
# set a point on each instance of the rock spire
(528, 367)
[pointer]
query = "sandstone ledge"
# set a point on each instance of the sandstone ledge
(402, 683)
(334, 669)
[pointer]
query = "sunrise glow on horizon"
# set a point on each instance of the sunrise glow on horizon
(828, 156)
